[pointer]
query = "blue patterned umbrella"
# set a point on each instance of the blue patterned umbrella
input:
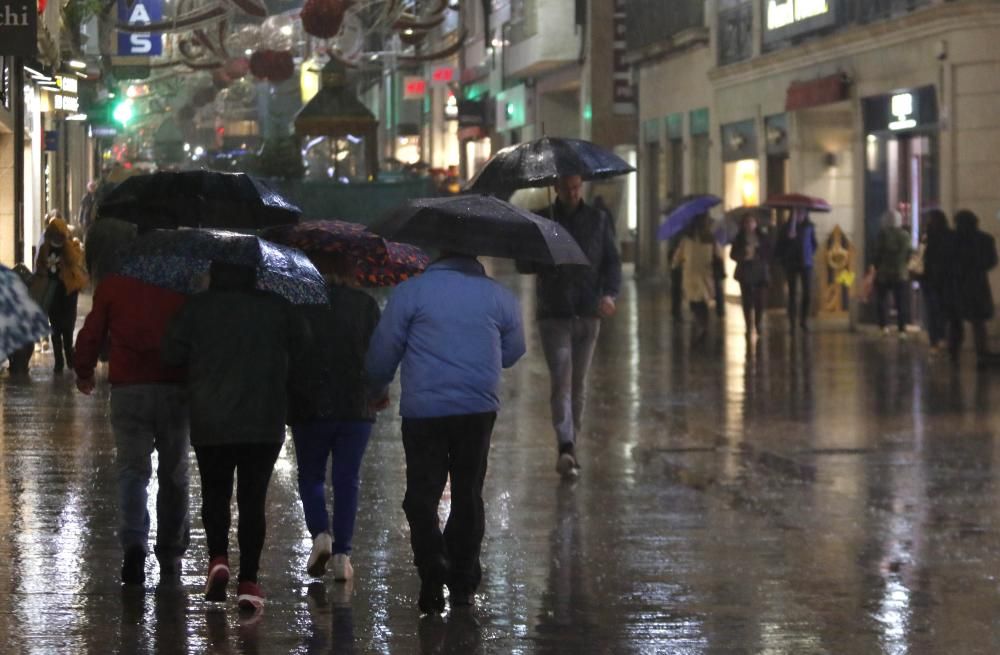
(179, 260)
(22, 321)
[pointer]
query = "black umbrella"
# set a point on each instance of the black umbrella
(481, 225)
(543, 161)
(233, 201)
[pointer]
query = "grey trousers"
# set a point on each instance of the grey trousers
(147, 417)
(569, 348)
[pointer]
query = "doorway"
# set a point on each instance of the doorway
(901, 173)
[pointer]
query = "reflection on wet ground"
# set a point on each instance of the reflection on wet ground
(832, 493)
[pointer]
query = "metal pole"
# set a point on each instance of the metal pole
(17, 106)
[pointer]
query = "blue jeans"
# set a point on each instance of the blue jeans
(315, 442)
(144, 418)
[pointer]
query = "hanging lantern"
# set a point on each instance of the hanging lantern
(272, 65)
(323, 18)
(237, 68)
(282, 67)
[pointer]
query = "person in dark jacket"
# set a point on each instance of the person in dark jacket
(796, 250)
(148, 412)
(240, 347)
(330, 414)
(892, 253)
(570, 303)
(751, 251)
(976, 256)
(60, 260)
(938, 277)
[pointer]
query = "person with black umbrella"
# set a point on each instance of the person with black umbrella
(571, 301)
(452, 329)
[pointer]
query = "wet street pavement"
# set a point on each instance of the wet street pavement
(828, 493)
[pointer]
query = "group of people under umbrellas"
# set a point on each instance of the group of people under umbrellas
(951, 265)
(219, 340)
(697, 260)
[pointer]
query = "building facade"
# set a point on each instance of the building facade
(534, 68)
(872, 105)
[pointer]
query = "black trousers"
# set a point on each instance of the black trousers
(896, 289)
(252, 464)
(796, 278)
(677, 292)
(62, 320)
(752, 298)
(436, 448)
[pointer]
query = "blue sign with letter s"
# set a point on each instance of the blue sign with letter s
(139, 12)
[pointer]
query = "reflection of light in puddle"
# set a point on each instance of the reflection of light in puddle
(894, 616)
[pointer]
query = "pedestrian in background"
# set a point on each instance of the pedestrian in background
(88, 208)
(676, 280)
(975, 257)
(892, 254)
(59, 266)
(570, 302)
(240, 347)
(938, 277)
(330, 415)
(796, 250)
(148, 412)
(453, 329)
(751, 251)
(696, 253)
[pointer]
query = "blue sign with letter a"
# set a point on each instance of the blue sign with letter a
(140, 12)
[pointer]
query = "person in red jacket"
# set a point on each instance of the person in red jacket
(148, 412)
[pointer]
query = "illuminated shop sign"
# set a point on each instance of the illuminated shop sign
(787, 19)
(902, 109)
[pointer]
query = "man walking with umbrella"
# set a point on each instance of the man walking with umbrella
(452, 329)
(570, 303)
(796, 250)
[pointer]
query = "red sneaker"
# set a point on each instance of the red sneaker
(250, 596)
(218, 578)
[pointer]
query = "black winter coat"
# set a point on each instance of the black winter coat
(568, 291)
(241, 349)
(755, 271)
(333, 384)
(975, 257)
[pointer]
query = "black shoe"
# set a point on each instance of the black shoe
(170, 566)
(58, 368)
(431, 599)
(134, 565)
(461, 598)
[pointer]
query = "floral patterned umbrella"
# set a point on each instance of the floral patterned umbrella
(175, 259)
(378, 262)
(22, 321)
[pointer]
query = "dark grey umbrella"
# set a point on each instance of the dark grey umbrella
(541, 162)
(481, 225)
(232, 201)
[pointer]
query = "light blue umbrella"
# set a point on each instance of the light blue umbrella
(22, 321)
(681, 217)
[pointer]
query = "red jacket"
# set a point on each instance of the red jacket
(136, 315)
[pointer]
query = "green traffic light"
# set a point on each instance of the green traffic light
(123, 112)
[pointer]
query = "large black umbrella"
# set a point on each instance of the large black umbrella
(541, 162)
(481, 225)
(176, 259)
(232, 201)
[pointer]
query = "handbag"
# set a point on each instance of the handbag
(43, 289)
(915, 265)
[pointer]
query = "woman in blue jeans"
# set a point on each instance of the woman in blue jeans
(330, 415)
